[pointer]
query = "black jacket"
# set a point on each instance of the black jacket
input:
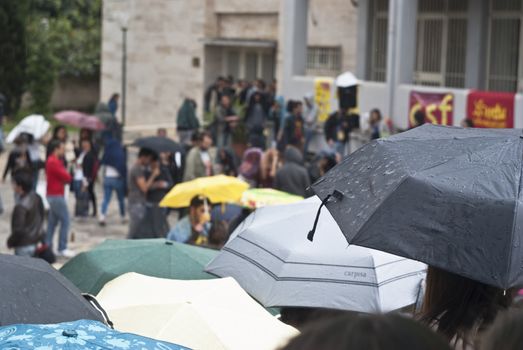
(292, 177)
(27, 221)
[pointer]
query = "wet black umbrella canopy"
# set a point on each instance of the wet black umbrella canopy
(32, 291)
(446, 196)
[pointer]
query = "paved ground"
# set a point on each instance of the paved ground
(85, 233)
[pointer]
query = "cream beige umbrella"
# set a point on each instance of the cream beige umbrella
(213, 314)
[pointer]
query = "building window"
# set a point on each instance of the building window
(248, 63)
(378, 27)
(322, 60)
(505, 58)
(441, 43)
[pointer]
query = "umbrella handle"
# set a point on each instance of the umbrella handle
(310, 236)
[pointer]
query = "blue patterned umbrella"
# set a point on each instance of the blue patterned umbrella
(83, 334)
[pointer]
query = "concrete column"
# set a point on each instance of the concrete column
(363, 40)
(401, 48)
(293, 41)
(476, 54)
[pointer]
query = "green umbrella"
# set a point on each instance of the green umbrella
(91, 270)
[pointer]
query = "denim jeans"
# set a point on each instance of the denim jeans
(117, 185)
(58, 213)
(309, 134)
(26, 250)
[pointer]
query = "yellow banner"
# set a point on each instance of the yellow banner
(322, 97)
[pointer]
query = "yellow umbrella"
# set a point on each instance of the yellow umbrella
(213, 314)
(261, 197)
(218, 189)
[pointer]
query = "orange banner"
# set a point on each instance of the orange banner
(491, 109)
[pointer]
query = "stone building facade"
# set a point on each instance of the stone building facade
(175, 48)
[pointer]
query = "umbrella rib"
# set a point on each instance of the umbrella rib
(306, 263)
(297, 279)
(400, 277)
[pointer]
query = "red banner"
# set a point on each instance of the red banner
(437, 107)
(491, 109)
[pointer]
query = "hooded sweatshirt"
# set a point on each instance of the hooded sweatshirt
(292, 177)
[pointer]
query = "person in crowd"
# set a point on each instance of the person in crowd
(250, 167)
(227, 162)
(224, 121)
(60, 134)
(239, 218)
(113, 103)
(114, 162)
(194, 227)
(269, 166)
(364, 332)
(225, 212)
(138, 185)
(419, 119)
(336, 130)
(201, 160)
(467, 123)
(460, 308)
(243, 88)
(276, 116)
(33, 148)
(256, 114)
(161, 132)
(293, 126)
(506, 333)
(27, 220)
(155, 219)
(375, 124)
(112, 126)
(310, 118)
(324, 162)
(292, 177)
(213, 94)
(186, 121)
(218, 234)
(19, 157)
(57, 178)
(85, 171)
(3, 117)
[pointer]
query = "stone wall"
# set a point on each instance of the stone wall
(166, 50)
(334, 23)
(164, 45)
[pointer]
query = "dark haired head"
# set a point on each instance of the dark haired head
(57, 130)
(24, 179)
(364, 332)
(53, 145)
(198, 201)
(377, 112)
(114, 96)
(419, 118)
(218, 234)
(467, 123)
(457, 306)
(145, 152)
(290, 106)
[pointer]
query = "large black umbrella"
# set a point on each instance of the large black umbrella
(32, 291)
(158, 144)
(449, 197)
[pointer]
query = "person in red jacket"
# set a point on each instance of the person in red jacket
(57, 178)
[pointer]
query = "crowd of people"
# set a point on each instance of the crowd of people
(257, 136)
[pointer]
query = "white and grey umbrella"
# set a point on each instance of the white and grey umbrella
(271, 258)
(33, 124)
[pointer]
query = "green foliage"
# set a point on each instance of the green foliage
(13, 50)
(47, 39)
